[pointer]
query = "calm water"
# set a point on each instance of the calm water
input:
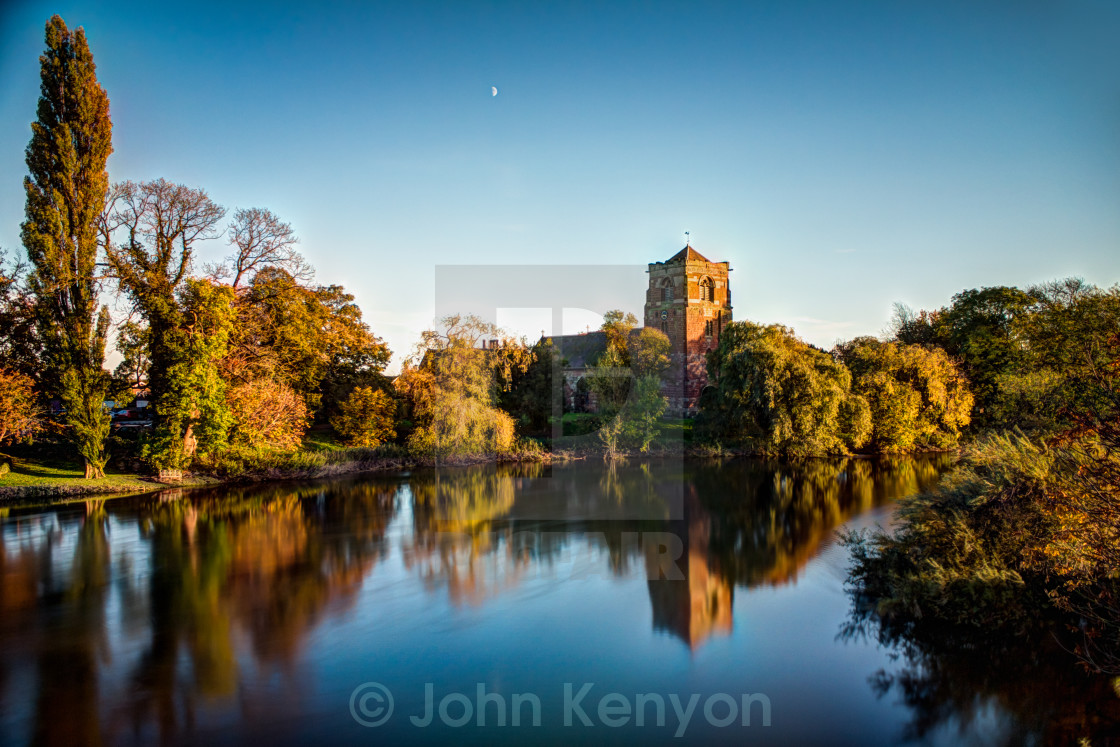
(261, 614)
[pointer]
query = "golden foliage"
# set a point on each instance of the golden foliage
(268, 414)
(18, 414)
(366, 418)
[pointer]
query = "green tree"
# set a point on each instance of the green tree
(635, 423)
(188, 320)
(70, 143)
(194, 414)
(1067, 339)
(917, 395)
(979, 328)
(649, 352)
(132, 343)
(367, 418)
(778, 395)
(914, 328)
(630, 354)
(627, 384)
(611, 377)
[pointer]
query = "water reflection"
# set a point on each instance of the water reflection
(161, 617)
(196, 579)
(952, 679)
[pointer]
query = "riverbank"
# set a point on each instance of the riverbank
(51, 480)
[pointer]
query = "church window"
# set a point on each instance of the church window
(666, 290)
(707, 290)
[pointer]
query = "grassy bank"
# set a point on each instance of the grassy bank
(50, 477)
(48, 472)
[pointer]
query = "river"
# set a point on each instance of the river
(650, 602)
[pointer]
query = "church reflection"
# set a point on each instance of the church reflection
(479, 534)
(697, 605)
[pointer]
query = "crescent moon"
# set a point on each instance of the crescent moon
(493, 90)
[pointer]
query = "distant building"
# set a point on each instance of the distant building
(689, 299)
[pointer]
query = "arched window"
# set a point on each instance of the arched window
(707, 289)
(665, 327)
(666, 290)
(709, 328)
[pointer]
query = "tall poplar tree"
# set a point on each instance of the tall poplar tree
(66, 191)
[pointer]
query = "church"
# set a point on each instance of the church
(689, 299)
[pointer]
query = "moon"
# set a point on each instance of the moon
(493, 90)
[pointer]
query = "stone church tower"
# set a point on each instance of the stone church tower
(690, 301)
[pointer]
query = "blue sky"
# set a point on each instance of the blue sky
(841, 155)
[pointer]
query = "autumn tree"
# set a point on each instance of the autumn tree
(452, 384)
(151, 232)
(366, 418)
(918, 396)
(66, 190)
(266, 414)
(18, 413)
(1025, 530)
(779, 395)
(311, 338)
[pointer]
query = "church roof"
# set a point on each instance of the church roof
(580, 351)
(688, 254)
(583, 350)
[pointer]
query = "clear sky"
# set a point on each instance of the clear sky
(841, 155)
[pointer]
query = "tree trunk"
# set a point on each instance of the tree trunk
(94, 471)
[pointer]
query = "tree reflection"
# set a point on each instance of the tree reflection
(261, 561)
(479, 532)
(71, 649)
(263, 565)
(773, 517)
(951, 679)
(454, 543)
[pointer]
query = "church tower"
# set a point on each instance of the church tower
(690, 301)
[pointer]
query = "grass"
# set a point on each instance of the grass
(322, 440)
(33, 477)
